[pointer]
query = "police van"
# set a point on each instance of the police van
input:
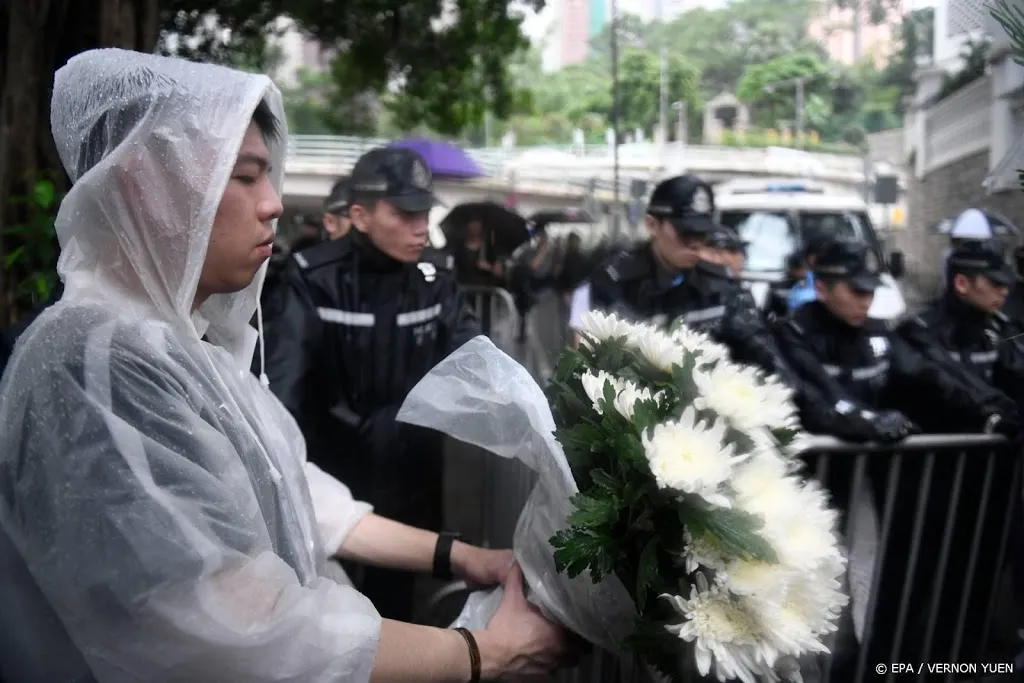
(777, 219)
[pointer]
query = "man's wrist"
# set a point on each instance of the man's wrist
(494, 660)
(460, 558)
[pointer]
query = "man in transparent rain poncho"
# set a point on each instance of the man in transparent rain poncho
(156, 509)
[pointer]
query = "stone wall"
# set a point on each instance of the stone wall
(944, 193)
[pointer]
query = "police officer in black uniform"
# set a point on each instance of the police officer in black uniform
(664, 279)
(967, 321)
(967, 328)
(870, 383)
(367, 319)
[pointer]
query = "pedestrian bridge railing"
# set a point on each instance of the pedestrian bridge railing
(335, 155)
(927, 526)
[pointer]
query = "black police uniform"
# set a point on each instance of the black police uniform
(851, 375)
(986, 344)
(359, 331)
(632, 283)
(983, 347)
(776, 305)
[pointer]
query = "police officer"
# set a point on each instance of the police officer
(664, 279)
(726, 248)
(777, 304)
(860, 382)
(857, 364)
(337, 221)
(368, 319)
(966, 327)
(967, 322)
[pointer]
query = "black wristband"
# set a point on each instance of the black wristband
(443, 555)
(474, 655)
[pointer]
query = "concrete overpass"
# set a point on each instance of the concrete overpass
(555, 178)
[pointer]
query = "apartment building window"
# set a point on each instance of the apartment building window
(964, 16)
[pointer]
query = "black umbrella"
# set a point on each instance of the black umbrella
(504, 229)
(542, 218)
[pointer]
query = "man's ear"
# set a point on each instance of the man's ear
(360, 217)
(652, 224)
(961, 283)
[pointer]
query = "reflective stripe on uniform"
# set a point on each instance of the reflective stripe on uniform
(350, 318)
(704, 314)
(418, 317)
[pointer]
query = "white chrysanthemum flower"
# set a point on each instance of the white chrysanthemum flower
(736, 393)
(752, 577)
(701, 552)
(601, 327)
(808, 610)
(594, 384)
(803, 534)
(723, 633)
(627, 397)
(626, 393)
(690, 457)
(657, 347)
(699, 343)
(761, 485)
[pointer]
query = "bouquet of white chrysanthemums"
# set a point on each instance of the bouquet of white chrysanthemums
(671, 482)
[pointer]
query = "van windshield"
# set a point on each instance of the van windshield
(772, 236)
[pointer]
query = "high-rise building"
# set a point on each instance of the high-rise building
(836, 30)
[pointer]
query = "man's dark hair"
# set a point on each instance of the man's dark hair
(265, 120)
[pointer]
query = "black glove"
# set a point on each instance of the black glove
(891, 426)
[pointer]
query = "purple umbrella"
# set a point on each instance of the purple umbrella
(442, 158)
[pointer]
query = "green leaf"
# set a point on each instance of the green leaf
(647, 572)
(604, 481)
(11, 257)
(735, 532)
(592, 512)
(576, 551)
(44, 194)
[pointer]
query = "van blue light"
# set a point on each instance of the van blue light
(786, 187)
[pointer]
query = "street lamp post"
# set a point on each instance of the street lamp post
(801, 83)
(680, 107)
(615, 115)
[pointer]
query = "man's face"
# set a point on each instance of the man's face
(242, 236)
(474, 230)
(402, 235)
(844, 302)
(980, 292)
(736, 261)
(680, 252)
(336, 226)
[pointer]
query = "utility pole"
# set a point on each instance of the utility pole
(680, 106)
(663, 108)
(615, 116)
(800, 82)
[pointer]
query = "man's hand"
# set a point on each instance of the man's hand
(519, 641)
(479, 566)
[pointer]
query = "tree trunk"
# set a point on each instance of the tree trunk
(40, 36)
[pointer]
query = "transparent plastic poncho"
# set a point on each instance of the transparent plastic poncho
(158, 519)
(483, 397)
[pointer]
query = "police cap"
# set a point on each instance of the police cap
(337, 201)
(981, 258)
(726, 238)
(395, 175)
(847, 261)
(687, 202)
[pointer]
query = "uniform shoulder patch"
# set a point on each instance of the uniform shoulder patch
(428, 270)
(321, 254)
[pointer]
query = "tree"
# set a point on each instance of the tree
(877, 11)
(640, 87)
(916, 38)
(763, 87)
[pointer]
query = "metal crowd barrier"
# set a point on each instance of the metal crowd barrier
(496, 310)
(939, 596)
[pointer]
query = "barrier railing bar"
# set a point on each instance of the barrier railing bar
(915, 549)
(876, 574)
(1004, 542)
(816, 443)
(947, 545)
